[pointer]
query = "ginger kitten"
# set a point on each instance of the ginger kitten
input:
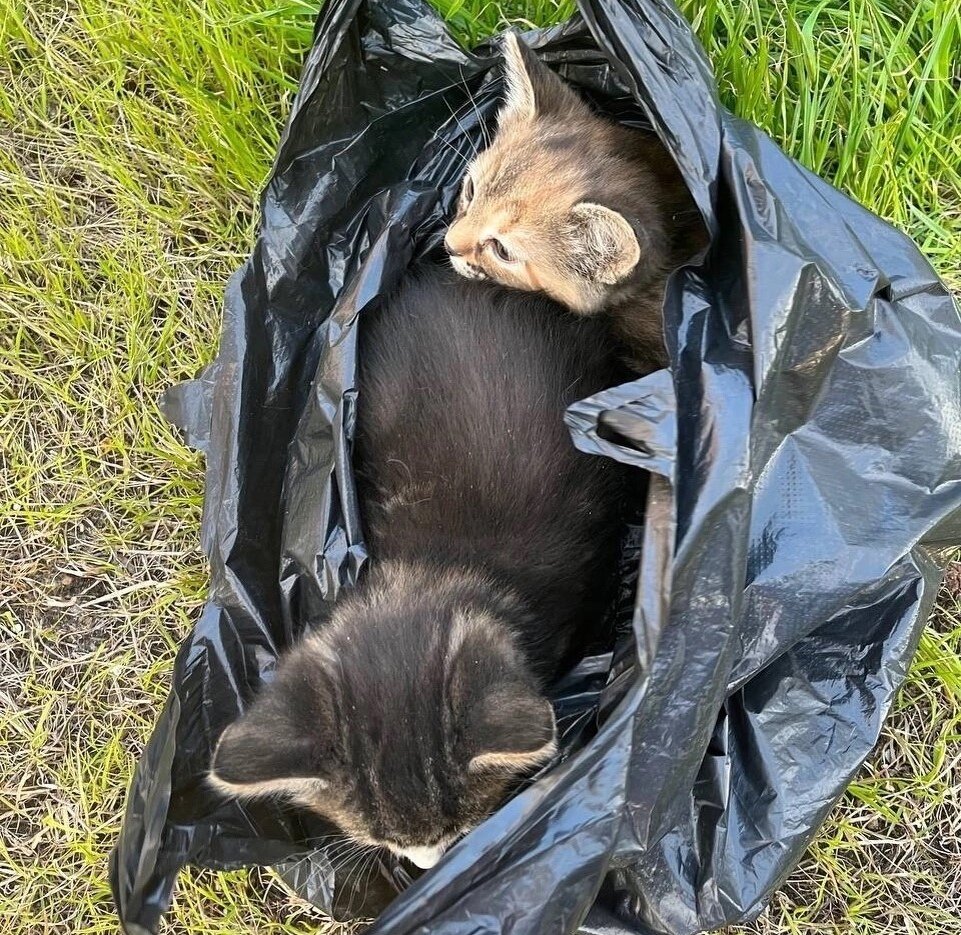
(565, 202)
(408, 717)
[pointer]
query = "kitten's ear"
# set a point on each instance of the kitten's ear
(532, 88)
(605, 244)
(263, 753)
(512, 729)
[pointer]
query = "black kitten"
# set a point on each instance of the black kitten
(408, 716)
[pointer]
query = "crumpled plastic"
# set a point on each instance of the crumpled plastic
(804, 454)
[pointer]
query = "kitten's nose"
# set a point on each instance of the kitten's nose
(450, 250)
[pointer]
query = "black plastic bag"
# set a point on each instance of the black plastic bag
(804, 451)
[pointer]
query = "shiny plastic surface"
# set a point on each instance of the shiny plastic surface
(803, 453)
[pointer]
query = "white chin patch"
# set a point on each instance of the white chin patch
(423, 857)
(465, 269)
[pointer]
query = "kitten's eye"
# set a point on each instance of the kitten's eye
(502, 252)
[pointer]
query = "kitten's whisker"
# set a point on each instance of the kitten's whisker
(460, 126)
(373, 866)
(366, 858)
(361, 852)
(339, 851)
(392, 881)
(330, 844)
(355, 871)
(319, 843)
(372, 861)
(351, 851)
(473, 103)
(321, 840)
(462, 156)
(299, 863)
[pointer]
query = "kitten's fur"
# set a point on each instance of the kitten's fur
(568, 203)
(409, 715)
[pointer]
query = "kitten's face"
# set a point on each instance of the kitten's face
(528, 214)
(405, 722)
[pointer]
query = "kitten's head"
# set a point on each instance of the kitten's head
(541, 208)
(405, 721)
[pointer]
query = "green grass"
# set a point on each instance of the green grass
(134, 140)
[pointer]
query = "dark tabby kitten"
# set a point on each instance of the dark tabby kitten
(566, 202)
(407, 718)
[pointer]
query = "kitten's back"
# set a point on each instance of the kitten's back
(463, 452)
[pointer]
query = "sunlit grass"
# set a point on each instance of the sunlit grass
(135, 138)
